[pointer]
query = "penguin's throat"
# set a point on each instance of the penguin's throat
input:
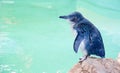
(72, 23)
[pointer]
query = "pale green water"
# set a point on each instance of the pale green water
(34, 40)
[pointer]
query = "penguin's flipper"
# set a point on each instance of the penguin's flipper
(77, 42)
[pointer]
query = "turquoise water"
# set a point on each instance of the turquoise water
(34, 40)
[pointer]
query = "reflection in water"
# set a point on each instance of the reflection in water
(9, 69)
(12, 57)
(7, 45)
(9, 20)
(7, 1)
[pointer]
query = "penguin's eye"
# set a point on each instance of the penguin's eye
(73, 19)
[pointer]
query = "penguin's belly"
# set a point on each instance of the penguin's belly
(83, 46)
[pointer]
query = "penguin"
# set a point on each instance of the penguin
(88, 37)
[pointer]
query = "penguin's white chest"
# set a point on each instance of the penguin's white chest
(82, 46)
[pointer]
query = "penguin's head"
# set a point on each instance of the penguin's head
(73, 17)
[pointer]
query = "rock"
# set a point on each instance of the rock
(96, 65)
(118, 59)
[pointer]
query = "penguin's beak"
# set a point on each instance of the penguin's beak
(64, 17)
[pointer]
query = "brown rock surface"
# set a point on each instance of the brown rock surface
(118, 59)
(96, 65)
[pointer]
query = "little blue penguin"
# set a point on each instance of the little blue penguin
(88, 37)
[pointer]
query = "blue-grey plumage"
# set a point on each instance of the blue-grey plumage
(88, 36)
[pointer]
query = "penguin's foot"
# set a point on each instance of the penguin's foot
(83, 58)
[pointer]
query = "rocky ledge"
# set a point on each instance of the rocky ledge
(96, 65)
